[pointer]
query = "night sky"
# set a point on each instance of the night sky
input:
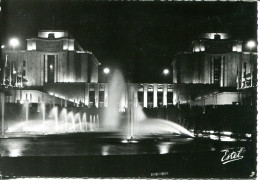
(136, 37)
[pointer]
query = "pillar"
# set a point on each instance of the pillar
(106, 87)
(135, 95)
(10, 74)
(66, 103)
(145, 95)
(96, 94)
(155, 89)
(212, 71)
(2, 99)
(165, 94)
(6, 56)
(86, 94)
(222, 72)
(46, 68)
(174, 98)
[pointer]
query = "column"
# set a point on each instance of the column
(222, 72)
(174, 98)
(10, 74)
(55, 67)
(46, 68)
(106, 87)
(212, 70)
(135, 95)
(165, 94)
(96, 94)
(2, 99)
(5, 65)
(66, 103)
(155, 89)
(145, 94)
(86, 94)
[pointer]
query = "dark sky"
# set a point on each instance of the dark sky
(137, 37)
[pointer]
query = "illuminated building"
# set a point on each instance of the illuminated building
(52, 57)
(55, 66)
(216, 59)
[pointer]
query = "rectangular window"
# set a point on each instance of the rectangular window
(24, 73)
(24, 63)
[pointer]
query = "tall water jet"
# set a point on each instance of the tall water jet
(2, 97)
(56, 118)
(97, 121)
(26, 115)
(84, 120)
(73, 121)
(90, 122)
(66, 119)
(94, 122)
(43, 117)
(115, 94)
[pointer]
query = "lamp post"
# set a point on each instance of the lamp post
(14, 42)
(166, 72)
(251, 44)
(106, 71)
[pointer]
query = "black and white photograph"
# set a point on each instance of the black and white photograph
(128, 89)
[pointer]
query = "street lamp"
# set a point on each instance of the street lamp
(106, 72)
(14, 42)
(3, 46)
(251, 44)
(166, 72)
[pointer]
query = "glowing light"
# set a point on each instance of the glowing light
(45, 34)
(248, 135)
(14, 42)
(31, 45)
(164, 148)
(251, 44)
(15, 152)
(166, 71)
(227, 133)
(106, 70)
(3, 46)
(196, 49)
(226, 138)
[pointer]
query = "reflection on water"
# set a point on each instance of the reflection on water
(164, 148)
(13, 149)
(105, 150)
(67, 146)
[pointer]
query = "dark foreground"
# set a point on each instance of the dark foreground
(110, 156)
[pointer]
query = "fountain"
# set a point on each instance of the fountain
(123, 114)
(115, 95)
(137, 122)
